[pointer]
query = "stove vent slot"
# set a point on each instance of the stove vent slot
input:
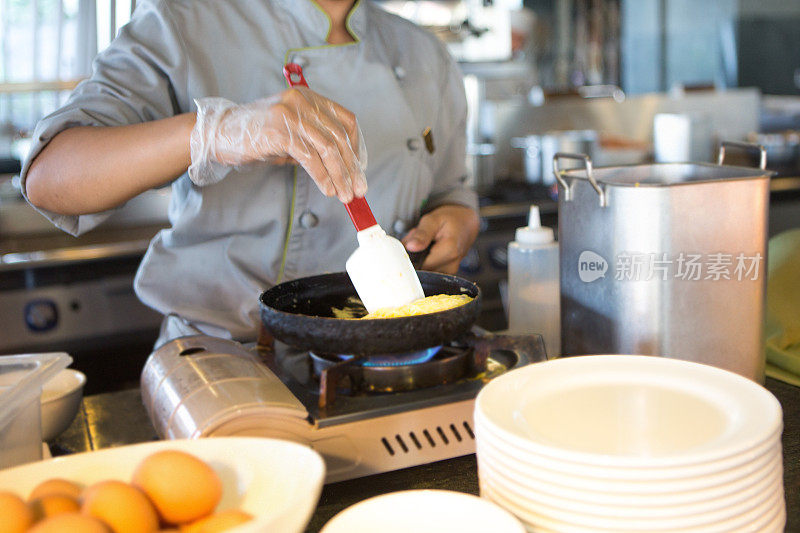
(444, 435)
(469, 430)
(441, 434)
(401, 443)
(430, 439)
(387, 446)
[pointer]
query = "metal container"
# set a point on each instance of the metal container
(199, 386)
(539, 151)
(665, 259)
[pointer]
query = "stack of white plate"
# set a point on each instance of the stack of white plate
(631, 443)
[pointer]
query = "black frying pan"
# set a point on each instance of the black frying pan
(300, 314)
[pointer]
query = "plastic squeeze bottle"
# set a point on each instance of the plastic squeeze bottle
(533, 286)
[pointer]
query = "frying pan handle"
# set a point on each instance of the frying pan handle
(358, 208)
(417, 258)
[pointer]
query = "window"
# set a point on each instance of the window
(46, 48)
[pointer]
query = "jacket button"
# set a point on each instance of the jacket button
(308, 220)
(399, 72)
(413, 144)
(302, 61)
(399, 227)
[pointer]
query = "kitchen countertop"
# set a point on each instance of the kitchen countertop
(119, 418)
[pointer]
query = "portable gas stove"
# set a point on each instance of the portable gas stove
(363, 415)
(382, 413)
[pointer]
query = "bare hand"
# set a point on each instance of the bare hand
(452, 229)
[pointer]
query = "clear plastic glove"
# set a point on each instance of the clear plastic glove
(297, 125)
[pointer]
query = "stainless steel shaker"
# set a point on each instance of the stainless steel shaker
(200, 386)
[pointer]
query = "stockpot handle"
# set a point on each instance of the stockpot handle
(762, 162)
(587, 162)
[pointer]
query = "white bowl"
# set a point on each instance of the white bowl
(424, 511)
(61, 399)
(626, 411)
(278, 482)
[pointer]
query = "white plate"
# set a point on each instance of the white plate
(512, 454)
(628, 411)
(772, 521)
(424, 511)
(647, 495)
(742, 514)
(570, 501)
(551, 471)
(276, 481)
(533, 519)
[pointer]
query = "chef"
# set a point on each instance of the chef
(191, 95)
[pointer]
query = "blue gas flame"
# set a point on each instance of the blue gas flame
(400, 359)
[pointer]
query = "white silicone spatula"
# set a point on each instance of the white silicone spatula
(380, 268)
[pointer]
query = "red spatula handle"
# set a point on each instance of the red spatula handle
(358, 208)
(360, 213)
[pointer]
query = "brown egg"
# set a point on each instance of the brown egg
(217, 522)
(53, 504)
(56, 486)
(182, 487)
(70, 523)
(123, 507)
(15, 515)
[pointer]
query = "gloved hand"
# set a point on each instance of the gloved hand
(297, 125)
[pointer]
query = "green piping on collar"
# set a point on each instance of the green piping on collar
(330, 25)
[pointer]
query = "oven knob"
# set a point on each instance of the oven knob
(41, 315)
(471, 264)
(498, 256)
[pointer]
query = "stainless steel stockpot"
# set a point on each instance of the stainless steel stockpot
(539, 150)
(665, 259)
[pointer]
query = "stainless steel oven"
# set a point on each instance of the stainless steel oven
(61, 293)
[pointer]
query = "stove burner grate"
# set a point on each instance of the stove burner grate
(334, 390)
(393, 372)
